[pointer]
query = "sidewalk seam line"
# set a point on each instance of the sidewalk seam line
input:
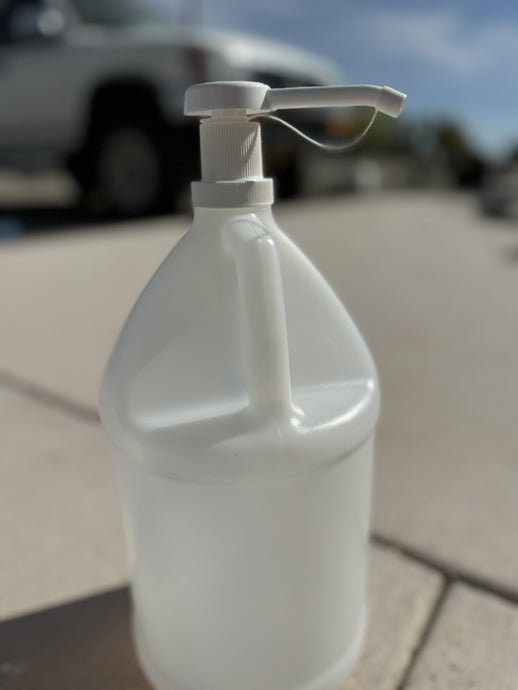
(424, 638)
(451, 573)
(49, 398)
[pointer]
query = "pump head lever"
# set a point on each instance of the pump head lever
(204, 99)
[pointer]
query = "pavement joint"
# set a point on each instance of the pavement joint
(451, 574)
(450, 577)
(422, 641)
(49, 398)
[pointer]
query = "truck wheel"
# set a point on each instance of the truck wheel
(128, 168)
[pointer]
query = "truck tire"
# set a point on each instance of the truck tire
(126, 169)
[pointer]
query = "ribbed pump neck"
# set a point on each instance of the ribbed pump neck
(231, 163)
(230, 149)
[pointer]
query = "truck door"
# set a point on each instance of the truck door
(32, 57)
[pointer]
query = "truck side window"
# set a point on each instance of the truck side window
(19, 19)
(5, 11)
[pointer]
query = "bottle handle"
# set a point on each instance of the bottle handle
(262, 315)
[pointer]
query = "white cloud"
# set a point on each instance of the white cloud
(444, 38)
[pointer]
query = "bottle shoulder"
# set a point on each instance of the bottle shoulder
(183, 368)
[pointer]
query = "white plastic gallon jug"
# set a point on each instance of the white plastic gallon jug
(240, 401)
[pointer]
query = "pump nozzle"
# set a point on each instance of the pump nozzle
(204, 99)
(383, 98)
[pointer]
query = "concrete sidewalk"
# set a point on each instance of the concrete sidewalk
(433, 288)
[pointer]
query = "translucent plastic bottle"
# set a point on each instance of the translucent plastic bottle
(240, 401)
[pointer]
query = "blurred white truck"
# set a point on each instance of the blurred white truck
(96, 87)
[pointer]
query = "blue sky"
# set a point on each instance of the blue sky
(451, 58)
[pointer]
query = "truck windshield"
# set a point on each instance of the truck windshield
(117, 12)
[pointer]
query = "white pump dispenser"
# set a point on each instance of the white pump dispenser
(240, 401)
(231, 141)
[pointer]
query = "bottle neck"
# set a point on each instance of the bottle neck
(216, 217)
(231, 164)
(230, 149)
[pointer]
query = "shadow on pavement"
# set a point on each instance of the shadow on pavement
(18, 221)
(45, 203)
(83, 645)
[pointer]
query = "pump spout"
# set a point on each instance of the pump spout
(383, 98)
